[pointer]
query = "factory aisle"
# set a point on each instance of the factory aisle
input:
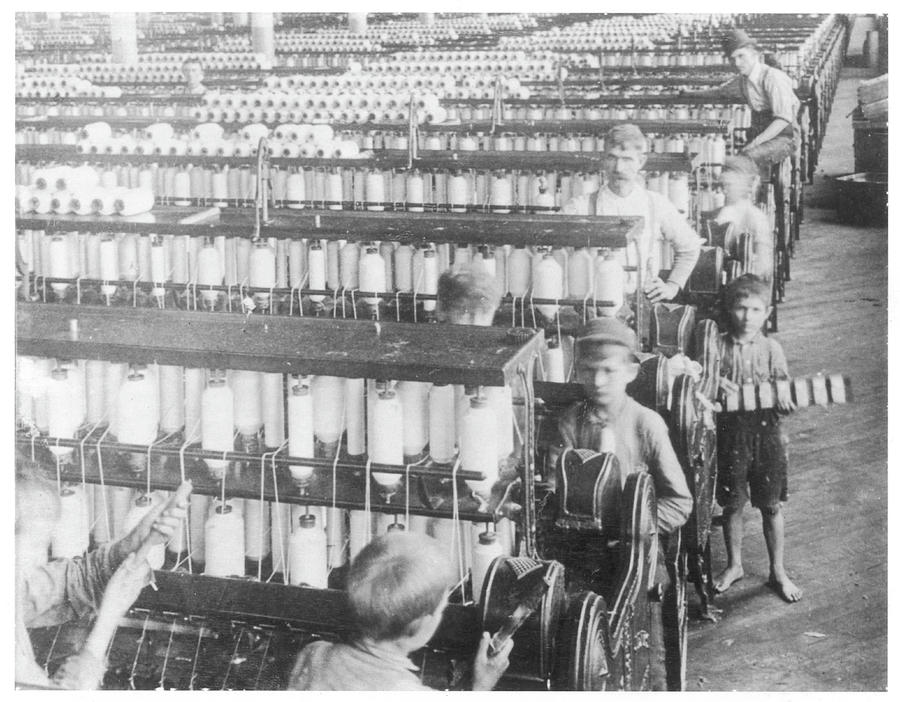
(834, 319)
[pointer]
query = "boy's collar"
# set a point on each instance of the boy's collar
(602, 415)
(751, 340)
(387, 652)
(756, 71)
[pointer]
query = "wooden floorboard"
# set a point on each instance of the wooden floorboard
(834, 319)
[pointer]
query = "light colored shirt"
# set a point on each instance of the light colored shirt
(758, 360)
(362, 665)
(641, 443)
(60, 591)
(746, 218)
(766, 89)
(662, 222)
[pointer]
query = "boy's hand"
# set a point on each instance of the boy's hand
(786, 404)
(161, 523)
(728, 387)
(488, 670)
(658, 290)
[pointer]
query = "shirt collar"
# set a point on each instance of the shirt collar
(752, 340)
(593, 415)
(386, 654)
(756, 72)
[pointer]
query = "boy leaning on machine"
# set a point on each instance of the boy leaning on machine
(610, 421)
(397, 589)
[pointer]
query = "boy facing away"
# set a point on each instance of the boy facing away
(397, 589)
(751, 446)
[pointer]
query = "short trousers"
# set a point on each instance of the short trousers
(752, 453)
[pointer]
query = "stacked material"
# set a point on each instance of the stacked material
(873, 97)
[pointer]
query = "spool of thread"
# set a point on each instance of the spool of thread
(336, 537)
(413, 398)
(262, 271)
(246, 387)
(349, 266)
(453, 540)
(295, 194)
(501, 193)
(301, 442)
(442, 423)
(429, 278)
(548, 284)
(280, 537)
(297, 262)
(372, 274)
(360, 531)
(61, 423)
(457, 193)
(403, 275)
(355, 390)
(500, 400)
(133, 202)
(209, 272)
(273, 409)
(375, 191)
(581, 274)
(334, 191)
(224, 542)
(60, 264)
(486, 548)
(94, 372)
(41, 201)
(609, 285)
(479, 445)
(159, 132)
(328, 401)
(519, 271)
(256, 524)
(71, 536)
(415, 192)
(317, 269)
(171, 398)
(309, 554)
(96, 132)
(137, 412)
(386, 435)
(217, 422)
(156, 555)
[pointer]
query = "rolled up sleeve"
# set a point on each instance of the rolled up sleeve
(685, 241)
(66, 589)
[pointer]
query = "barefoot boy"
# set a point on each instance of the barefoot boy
(751, 447)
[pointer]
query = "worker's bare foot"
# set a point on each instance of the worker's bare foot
(785, 587)
(728, 577)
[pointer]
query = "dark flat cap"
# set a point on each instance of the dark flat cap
(737, 39)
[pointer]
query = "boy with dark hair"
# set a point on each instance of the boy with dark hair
(397, 589)
(192, 70)
(467, 295)
(751, 446)
(610, 421)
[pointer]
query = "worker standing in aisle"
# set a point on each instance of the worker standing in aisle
(624, 195)
(769, 92)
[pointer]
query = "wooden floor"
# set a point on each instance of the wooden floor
(834, 319)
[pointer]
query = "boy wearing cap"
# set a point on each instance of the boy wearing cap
(770, 94)
(610, 421)
(624, 195)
